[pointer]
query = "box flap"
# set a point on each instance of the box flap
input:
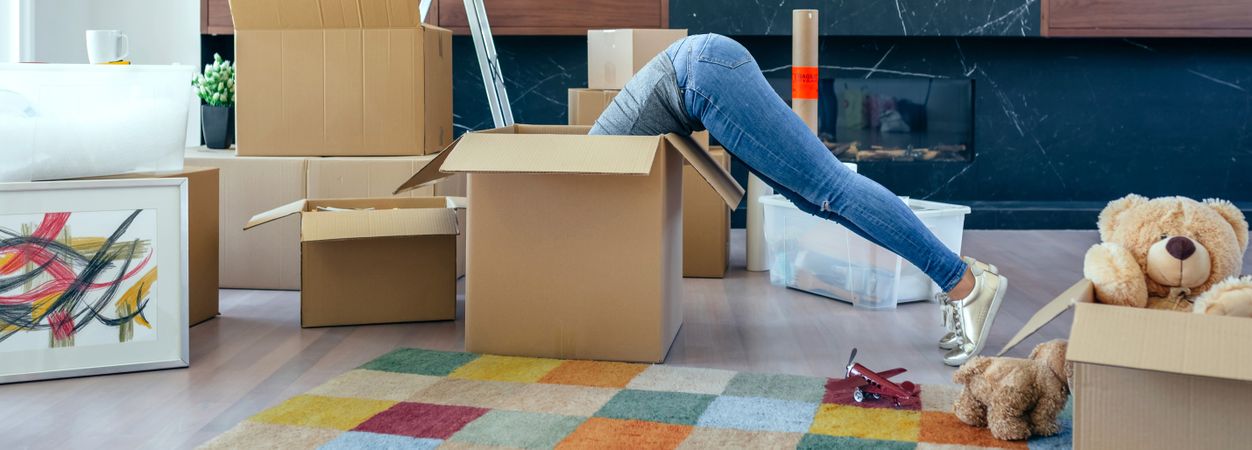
(324, 14)
(1163, 341)
(358, 224)
(430, 172)
(714, 174)
(552, 153)
(1081, 291)
(458, 202)
(277, 213)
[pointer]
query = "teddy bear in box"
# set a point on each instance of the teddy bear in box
(1171, 252)
(1013, 397)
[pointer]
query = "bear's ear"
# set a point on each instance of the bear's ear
(1109, 216)
(1231, 213)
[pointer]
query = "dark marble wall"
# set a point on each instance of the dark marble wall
(861, 17)
(1061, 125)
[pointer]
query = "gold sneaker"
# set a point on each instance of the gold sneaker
(952, 339)
(976, 313)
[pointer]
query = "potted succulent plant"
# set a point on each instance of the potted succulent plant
(216, 87)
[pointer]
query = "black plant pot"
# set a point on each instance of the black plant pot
(218, 125)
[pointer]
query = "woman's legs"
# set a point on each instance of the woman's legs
(725, 90)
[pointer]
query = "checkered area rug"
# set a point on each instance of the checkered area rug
(423, 399)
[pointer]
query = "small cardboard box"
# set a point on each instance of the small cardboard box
(576, 239)
(202, 237)
(340, 78)
(586, 105)
(706, 224)
(1151, 378)
(614, 56)
(269, 258)
(368, 261)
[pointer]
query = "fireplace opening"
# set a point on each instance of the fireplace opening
(897, 119)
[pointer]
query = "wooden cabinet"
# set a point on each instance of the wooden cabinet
(508, 17)
(215, 17)
(1147, 18)
(558, 17)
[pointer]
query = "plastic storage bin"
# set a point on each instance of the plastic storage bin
(815, 255)
(78, 120)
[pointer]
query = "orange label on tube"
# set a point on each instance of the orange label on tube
(804, 83)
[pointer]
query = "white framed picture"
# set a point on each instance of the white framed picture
(93, 277)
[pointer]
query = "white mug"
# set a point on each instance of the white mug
(103, 46)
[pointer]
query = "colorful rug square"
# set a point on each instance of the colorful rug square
(411, 398)
(594, 373)
(506, 368)
(759, 414)
(514, 429)
(359, 440)
(323, 412)
(420, 362)
(778, 386)
(666, 407)
(603, 433)
(869, 423)
(682, 379)
(421, 420)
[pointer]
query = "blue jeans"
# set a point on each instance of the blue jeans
(723, 89)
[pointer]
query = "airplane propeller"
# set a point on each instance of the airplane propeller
(851, 359)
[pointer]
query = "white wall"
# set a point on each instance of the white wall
(159, 31)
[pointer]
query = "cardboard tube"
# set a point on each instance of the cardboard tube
(804, 29)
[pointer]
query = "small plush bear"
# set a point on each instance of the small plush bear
(1013, 397)
(1165, 253)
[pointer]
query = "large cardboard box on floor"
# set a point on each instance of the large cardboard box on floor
(269, 258)
(706, 223)
(1151, 378)
(340, 78)
(613, 56)
(202, 237)
(368, 261)
(575, 240)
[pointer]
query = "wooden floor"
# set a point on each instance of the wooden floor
(255, 354)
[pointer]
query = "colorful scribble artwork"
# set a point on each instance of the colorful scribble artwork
(76, 279)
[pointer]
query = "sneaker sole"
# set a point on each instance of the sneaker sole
(991, 318)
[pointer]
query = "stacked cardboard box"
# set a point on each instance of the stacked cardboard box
(202, 238)
(336, 100)
(574, 249)
(1145, 378)
(613, 56)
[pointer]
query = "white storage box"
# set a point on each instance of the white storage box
(822, 257)
(80, 120)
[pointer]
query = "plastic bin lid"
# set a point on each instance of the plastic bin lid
(922, 208)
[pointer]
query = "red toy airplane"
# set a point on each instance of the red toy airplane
(867, 384)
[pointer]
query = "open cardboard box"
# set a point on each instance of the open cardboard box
(376, 260)
(576, 240)
(1153, 379)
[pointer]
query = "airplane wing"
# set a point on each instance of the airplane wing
(892, 372)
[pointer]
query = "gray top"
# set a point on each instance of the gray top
(651, 104)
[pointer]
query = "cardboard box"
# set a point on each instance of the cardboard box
(269, 258)
(586, 105)
(202, 238)
(1151, 378)
(340, 78)
(614, 56)
(576, 239)
(368, 261)
(706, 224)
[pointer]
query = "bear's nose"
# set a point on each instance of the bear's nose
(1180, 247)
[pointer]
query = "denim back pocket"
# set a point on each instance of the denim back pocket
(724, 52)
